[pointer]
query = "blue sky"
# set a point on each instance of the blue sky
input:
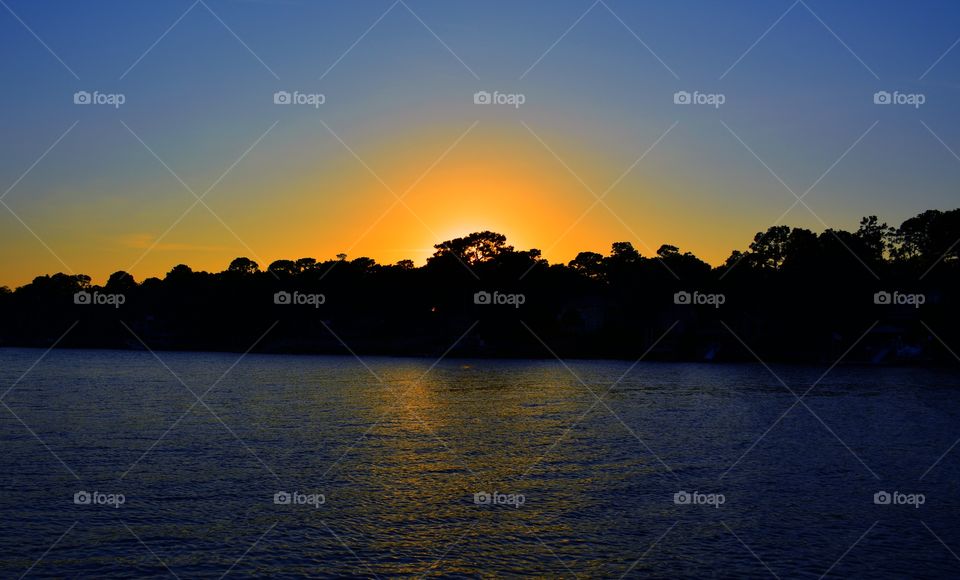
(198, 86)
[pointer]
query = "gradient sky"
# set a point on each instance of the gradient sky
(202, 95)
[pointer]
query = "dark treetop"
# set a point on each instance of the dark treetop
(887, 294)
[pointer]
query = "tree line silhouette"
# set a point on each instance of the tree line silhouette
(878, 294)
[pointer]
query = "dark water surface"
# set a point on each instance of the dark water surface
(398, 459)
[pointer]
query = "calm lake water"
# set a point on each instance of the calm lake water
(386, 469)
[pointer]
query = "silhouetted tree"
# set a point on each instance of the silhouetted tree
(283, 268)
(243, 266)
(792, 295)
(121, 282)
(473, 249)
(590, 264)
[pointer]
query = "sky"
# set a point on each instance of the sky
(589, 146)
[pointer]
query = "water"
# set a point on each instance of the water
(398, 459)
